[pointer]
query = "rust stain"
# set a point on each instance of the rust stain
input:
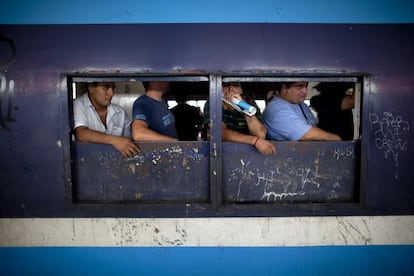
(132, 168)
(185, 161)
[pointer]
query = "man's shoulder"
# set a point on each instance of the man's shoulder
(82, 103)
(279, 104)
(279, 101)
(83, 99)
(116, 108)
(142, 98)
(144, 102)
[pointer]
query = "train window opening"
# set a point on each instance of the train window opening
(216, 173)
(160, 171)
(316, 172)
(335, 102)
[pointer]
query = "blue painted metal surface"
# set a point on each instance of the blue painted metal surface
(315, 172)
(301, 172)
(35, 144)
(34, 130)
(161, 172)
(213, 11)
(350, 260)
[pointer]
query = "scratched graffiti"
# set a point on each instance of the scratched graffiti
(169, 172)
(167, 155)
(109, 159)
(6, 102)
(289, 179)
(391, 135)
(344, 153)
(158, 162)
(112, 159)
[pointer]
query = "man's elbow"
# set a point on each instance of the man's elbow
(135, 136)
(81, 134)
(307, 137)
(317, 134)
(139, 134)
(135, 131)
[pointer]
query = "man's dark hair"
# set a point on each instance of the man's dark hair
(279, 85)
(146, 84)
(181, 97)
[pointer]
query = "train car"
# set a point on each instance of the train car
(206, 206)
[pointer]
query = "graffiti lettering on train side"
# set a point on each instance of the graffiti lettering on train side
(6, 101)
(168, 154)
(109, 159)
(168, 158)
(391, 135)
(344, 153)
(285, 179)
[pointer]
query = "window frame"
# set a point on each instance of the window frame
(216, 207)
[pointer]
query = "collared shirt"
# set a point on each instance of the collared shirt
(117, 120)
(286, 121)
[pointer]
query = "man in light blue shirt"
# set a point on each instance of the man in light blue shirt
(287, 118)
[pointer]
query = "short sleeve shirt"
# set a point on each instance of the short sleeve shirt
(286, 121)
(155, 114)
(117, 120)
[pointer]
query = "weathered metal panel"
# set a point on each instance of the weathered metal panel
(300, 172)
(35, 176)
(160, 172)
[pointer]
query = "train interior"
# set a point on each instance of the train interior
(197, 93)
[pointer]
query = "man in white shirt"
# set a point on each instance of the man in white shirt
(97, 120)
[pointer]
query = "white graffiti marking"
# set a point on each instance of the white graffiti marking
(391, 134)
(344, 153)
(109, 159)
(6, 99)
(289, 179)
(269, 195)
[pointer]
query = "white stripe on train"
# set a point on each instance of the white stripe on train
(280, 231)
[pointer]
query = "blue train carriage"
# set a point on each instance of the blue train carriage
(213, 206)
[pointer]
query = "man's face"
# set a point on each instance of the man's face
(232, 88)
(163, 86)
(101, 93)
(295, 93)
